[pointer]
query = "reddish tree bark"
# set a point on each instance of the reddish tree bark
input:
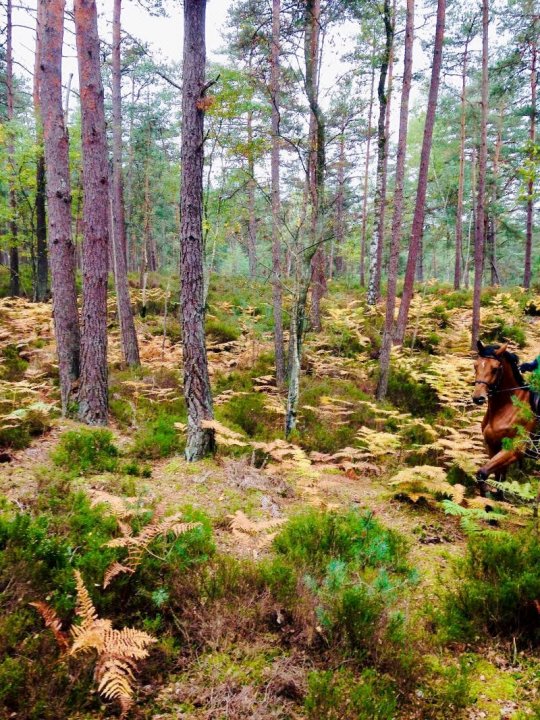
(420, 205)
(14, 279)
(61, 250)
(93, 398)
(119, 253)
(42, 280)
(386, 348)
(532, 144)
(276, 202)
(366, 176)
(479, 233)
(379, 206)
(196, 380)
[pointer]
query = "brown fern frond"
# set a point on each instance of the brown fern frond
(125, 528)
(113, 570)
(115, 681)
(85, 609)
(53, 622)
(137, 545)
(128, 643)
(90, 638)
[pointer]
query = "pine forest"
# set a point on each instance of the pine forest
(269, 359)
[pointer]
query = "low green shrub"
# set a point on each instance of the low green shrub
(83, 451)
(222, 331)
(250, 414)
(504, 332)
(158, 438)
(354, 569)
(12, 365)
(340, 695)
(497, 586)
(407, 394)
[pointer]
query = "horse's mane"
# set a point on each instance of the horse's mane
(488, 351)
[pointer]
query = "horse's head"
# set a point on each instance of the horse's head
(488, 370)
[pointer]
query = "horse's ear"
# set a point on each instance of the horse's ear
(501, 350)
(480, 346)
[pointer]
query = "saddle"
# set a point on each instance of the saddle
(534, 398)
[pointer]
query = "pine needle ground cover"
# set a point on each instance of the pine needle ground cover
(373, 581)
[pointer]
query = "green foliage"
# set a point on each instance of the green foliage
(407, 394)
(340, 695)
(158, 438)
(497, 584)
(250, 414)
(12, 365)
(221, 331)
(20, 426)
(83, 451)
(503, 331)
(354, 569)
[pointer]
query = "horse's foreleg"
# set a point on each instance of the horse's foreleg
(498, 465)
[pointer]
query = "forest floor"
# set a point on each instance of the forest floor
(407, 462)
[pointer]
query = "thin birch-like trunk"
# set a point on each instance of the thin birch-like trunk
(14, 278)
(277, 299)
(379, 205)
(363, 241)
(42, 274)
(458, 263)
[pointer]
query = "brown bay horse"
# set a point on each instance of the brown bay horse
(500, 385)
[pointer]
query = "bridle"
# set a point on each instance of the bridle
(493, 387)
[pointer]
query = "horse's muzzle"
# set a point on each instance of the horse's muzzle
(479, 400)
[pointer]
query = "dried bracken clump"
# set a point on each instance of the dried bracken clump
(118, 651)
(137, 545)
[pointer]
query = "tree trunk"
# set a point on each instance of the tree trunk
(125, 314)
(61, 250)
(277, 299)
(337, 261)
(196, 380)
(493, 218)
(14, 279)
(316, 158)
(252, 222)
(93, 397)
(366, 175)
(532, 150)
(420, 205)
(461, 185)
(41, 287)
(386, 348)
(479, 233)
(377, 239)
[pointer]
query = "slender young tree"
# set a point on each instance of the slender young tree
(61, 250)
(119, 250)
(316, 154)
(42, 266)
(420, 205)
(533, 55)
(397, 219)
(363, 241)
(275, 192)
(458, 263)
(14, 278)
(197, 392)
(379, 206)
(480, 225)
(93, 397)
